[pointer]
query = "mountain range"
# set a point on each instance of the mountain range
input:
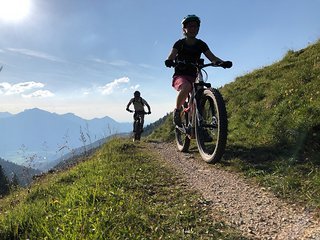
(35, 137)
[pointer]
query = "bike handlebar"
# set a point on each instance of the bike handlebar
(200, 65)
(132, 111)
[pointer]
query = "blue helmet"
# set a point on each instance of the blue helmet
(190, 18)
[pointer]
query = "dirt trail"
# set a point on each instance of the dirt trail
(252, 209)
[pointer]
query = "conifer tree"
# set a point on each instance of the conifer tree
(15, 181)
(4, 183)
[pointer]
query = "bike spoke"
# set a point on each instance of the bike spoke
(208, 130)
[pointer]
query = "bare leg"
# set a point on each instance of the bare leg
(183, 94)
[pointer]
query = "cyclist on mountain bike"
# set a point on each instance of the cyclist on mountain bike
(138, 104)
(188, 49)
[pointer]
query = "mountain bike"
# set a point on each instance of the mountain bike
(138, 124)
(203, 117)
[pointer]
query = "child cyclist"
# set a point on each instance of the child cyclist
(188, 49)
(138, 105)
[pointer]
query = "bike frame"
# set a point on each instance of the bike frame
(138, 119)
(204, 118)
(193, 112)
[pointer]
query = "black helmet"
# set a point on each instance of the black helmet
(190, 18)
(136, 94)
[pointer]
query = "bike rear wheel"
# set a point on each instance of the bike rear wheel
(182, 138)
(211, 126)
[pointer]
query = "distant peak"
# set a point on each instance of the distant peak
(34, 110)
(69, 114)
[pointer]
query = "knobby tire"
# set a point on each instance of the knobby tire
(211, 127)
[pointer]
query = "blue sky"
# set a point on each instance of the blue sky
(88, 56)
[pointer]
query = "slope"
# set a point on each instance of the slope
(278, 105)
(121, 192)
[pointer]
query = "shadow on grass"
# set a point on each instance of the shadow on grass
(269, 158)
(305, 150)
(254, 155)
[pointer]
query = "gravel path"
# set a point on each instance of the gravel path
(252, 209)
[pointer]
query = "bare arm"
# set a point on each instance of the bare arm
(213, 58)
(128, 105)
(149, 109)
(147, 105)
(173, 54)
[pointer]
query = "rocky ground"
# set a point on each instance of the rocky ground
(243, 204)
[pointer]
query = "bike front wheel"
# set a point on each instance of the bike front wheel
(211, 126)
(137, 130)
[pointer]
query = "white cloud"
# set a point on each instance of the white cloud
(131, 88)
(86, 91)
(115, 63)
(8, 89)
(110, 87)
(4, 86)
(98, 60)
(135, 87)
(32, 53)
(120, 63)
(26, 89)
(146, 66)
(39, 94)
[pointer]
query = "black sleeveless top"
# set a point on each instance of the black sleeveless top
(189, 53)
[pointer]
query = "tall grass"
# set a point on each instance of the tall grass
(121, 192)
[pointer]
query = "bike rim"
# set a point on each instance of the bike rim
(210, 129)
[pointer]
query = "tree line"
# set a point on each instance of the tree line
(7, 185)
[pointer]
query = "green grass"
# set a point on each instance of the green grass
(164, 132)
(295, 181)
(122, 192)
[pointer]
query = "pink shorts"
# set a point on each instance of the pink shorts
(179, 80)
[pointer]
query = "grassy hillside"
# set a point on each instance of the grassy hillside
(279, 104)
(274, 125)
(121, 192)
(164, 131)
(155, 128)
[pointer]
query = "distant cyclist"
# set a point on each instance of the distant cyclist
(188, 49)
(138, 104)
